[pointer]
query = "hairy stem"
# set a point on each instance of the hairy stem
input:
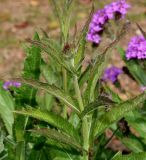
(85, 132)
(64, 72)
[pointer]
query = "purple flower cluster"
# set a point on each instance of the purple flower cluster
(9, 84)
(136, 48)
(111, 74)
(102, 16)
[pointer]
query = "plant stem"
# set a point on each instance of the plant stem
(85, 131)
(78, 93)
(64, 72)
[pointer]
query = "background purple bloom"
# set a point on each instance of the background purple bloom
(136, 48)
(104, 15)
(111, 74)
(120, 7)
(9, 84)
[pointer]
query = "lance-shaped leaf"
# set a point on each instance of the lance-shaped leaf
(116, 113)
(102, 101)
(135, 69)
(132, 156)
(53, 90)
(59, 137)
(31, 70)
(100, 65)
(6, 109)
(82, 42)
(54, 53)
(51, 118)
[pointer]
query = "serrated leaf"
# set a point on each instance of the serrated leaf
(6, 110)
(82, 42)
(51, 118)
(102, 101)
(55, 54)
(134, 67)
(53, 90)
(31, 70)
(132, 156)
(116, 113)
(59, 137)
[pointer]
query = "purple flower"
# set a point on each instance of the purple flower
(101, 17)
(136, 48)
(9, 84)
(111, 74)
(118, 7)
(93, 38)
(96, 26)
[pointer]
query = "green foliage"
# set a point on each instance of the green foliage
(52, 119)
(63, 109)
(59, 137)
(116, 113)
(31, 70)
(7, 107)
(133, 156)
(53, 90)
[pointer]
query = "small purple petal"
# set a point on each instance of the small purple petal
(9, 84)
(111, 74)
(102, 16)
(136, 48)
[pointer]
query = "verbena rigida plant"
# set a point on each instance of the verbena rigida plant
(60, 109)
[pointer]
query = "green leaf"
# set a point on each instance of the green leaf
(59, 137)
(6, 110)
(51, 75)
(31, 70)
(134, 67)
(53, 90)
(132, 156)
(51, 118)
(102, 101)
(116, 113)
(19, 128)
(41, 154)
(133, 144)
(20, 151)
(82, 42)
(115, 97)
(54, 53)
(45, 102)
(137, 121)
(84, 76)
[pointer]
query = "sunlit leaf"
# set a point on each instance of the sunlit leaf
(132, 156)
(116, 113)
(51, 118)
(53, 90)
(59, 137)
(6, 109)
